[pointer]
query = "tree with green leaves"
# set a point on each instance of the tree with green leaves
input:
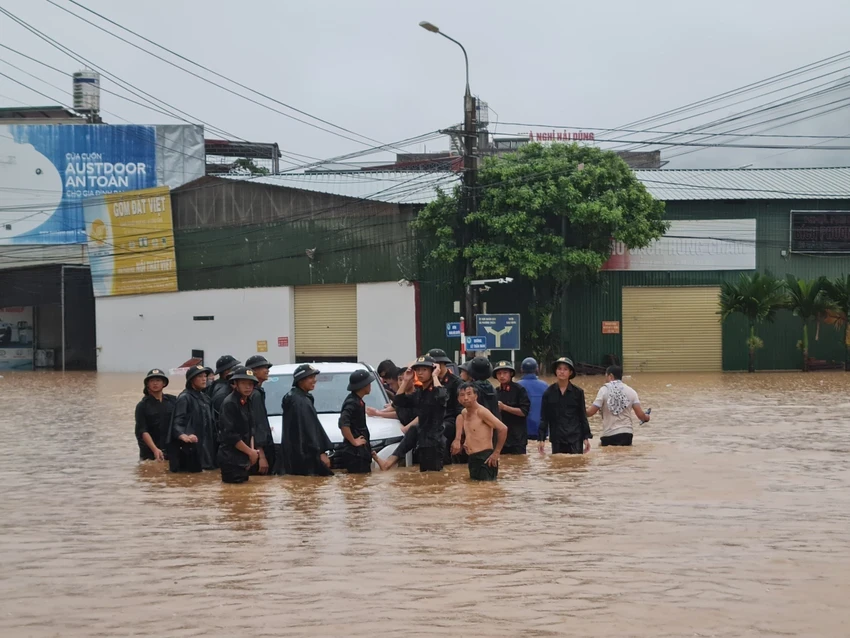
(548, 215)
(838, 292)
(247, 166)
(757, 297)
(807, 300)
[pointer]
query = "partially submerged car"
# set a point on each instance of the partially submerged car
(329, 395)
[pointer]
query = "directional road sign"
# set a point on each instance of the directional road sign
(453, 329)
(476, 343)
(502, 331)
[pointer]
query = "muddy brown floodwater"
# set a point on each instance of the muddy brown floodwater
(729, 517)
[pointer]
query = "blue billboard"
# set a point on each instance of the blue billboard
(48, 174)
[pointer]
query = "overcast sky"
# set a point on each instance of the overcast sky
(366, 65)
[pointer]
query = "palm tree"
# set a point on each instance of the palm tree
(838, 291)
(807, 300)
(757, 297)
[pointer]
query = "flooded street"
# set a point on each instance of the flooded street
(729, 517)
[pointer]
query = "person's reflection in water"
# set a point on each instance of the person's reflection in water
(244, 506)
(168, 489)
(357, 491)
(303, 495)
(481, 500)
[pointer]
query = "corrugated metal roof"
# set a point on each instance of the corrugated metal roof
(747, 183)
(419, 187)
(398, 187)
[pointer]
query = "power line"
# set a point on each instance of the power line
(743, 89)
(241, 233)
(123, 83)
(287, 154)
(842, 103)
(626, 130)
(131, 132)
(239, 84)
(53, 86)
(777, 103)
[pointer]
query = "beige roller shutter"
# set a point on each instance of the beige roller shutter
(671, 330)
(326, 321)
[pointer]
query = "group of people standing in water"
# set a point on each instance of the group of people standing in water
(445, 419)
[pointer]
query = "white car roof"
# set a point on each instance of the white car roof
(289, 368)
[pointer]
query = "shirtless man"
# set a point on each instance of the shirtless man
(476, 423)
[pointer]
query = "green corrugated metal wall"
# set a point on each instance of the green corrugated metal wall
(352, 250)
(773, 227)
(438, 291)
(586, 307)
(348, 250)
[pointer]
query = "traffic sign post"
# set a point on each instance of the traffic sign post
(453, 329)
(462, 340)
(502, 332)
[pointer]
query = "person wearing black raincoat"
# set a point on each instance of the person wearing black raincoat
(453, 407)
(236, 452)
(305, 444)
(514, 406)
(220, 388)
(192, 438)
(429, 400)
(153, 416)
(263, 441)
(563, 414)
(356, 452)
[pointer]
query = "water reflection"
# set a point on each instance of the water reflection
(730, 516)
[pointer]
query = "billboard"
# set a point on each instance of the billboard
(694, 244)
(820, 231)
(131, 243)
(16, 338)
(48, 173)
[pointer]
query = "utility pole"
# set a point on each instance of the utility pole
(470, 169)
(470, 175)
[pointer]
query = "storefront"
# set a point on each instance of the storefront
(47, 318)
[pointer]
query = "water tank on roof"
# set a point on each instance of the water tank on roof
(87, 91)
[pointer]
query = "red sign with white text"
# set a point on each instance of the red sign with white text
(562, 136)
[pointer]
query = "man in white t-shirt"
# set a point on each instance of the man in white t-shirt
(616, 400)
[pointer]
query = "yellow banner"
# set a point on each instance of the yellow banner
(131, 243)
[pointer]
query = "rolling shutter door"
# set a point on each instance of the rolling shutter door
(326, 321)
(672, 329)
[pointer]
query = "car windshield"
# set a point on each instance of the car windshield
(329, 394)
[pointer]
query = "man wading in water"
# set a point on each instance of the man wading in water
(153, 416)
(564, 414)
(305, 444)
(616, 400)
(237, 453)
(263, 441)
(429, 401)
(192, 438)
(514, 406)
(356, 452)
(478, 424)
(451, 383)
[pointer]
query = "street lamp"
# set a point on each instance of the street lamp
(433, 28)
(470, 167)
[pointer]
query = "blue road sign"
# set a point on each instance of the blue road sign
(502, 331)
(476, 343)
(453, 329)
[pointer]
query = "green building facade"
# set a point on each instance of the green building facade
(284, 237)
